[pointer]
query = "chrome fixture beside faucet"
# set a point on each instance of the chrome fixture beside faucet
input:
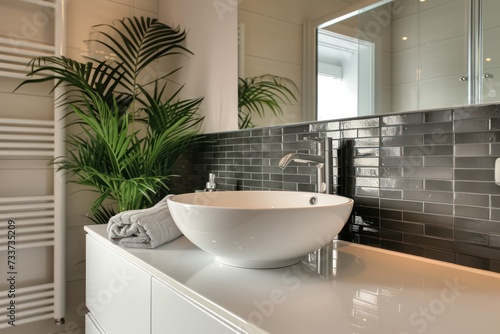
(322, 159)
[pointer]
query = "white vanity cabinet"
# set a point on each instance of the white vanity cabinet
(117, 292)
(124, 297)
(91, 326)
(173, 313)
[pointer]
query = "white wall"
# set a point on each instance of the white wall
(212, 71)
(35, 176)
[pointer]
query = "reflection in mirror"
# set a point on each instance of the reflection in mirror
(390, 56)
(425, 55)
(271, 40)
(345, 72)
(418, 50)
(263, 94)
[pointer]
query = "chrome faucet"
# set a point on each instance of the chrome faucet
(322, 160)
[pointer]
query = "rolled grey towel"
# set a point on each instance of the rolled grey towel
(146, 228)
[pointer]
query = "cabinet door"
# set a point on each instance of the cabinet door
(173, 313)
(117, 292)
(90, 325)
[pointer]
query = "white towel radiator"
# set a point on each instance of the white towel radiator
(34, 220)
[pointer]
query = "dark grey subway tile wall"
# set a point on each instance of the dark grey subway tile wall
(423, 182)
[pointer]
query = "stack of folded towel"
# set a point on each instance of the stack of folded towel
(146, 228)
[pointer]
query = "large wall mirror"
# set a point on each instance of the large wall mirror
(354, 58)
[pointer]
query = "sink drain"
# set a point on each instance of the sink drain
(313, 200)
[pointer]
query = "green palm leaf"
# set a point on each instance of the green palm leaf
(139, 42)
(265, 92)
(126, 139)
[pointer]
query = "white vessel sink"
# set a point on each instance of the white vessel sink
(259, 229)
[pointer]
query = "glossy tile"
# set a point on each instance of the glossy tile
(366, 171)
(495, 123)
(472, 212)
(472, 199)
(479, 251)
(414, 228)
(472, 261)
(370, 132)
(367, 191)
(477, 225)
(367, 142)
(472, 237)
(367, 152)
(403, 247)
(365, 162)
(322, 127)
(438, 231)
(391, 235)
(391, 215)
(438, 185)
(475, 162)
(433, 161)
(495, 150)
(438, 138)
(472, 150)
(402, 140)
(430, 128)
(401, 183)
(495, 201)
(430, 219)
(428, 172)
(296, 129)
(360, 124)
(429, 241)
(438, 116)
(391, 151)
(389, 172)
(471, 125)
(391, 131)
(477, 187)
(401, 205)
(392, 194)
(414, 161)
(428, 196)
(494, 240)
(349, 134)
(474, 174)
(489, 111)
(421, 181)
(407, 118)
(428, 150)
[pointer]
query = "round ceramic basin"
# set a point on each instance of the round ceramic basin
(259, 229)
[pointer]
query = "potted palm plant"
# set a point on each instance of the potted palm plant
(259, 94)
(127, 130)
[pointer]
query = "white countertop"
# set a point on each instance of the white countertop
(344, 288)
